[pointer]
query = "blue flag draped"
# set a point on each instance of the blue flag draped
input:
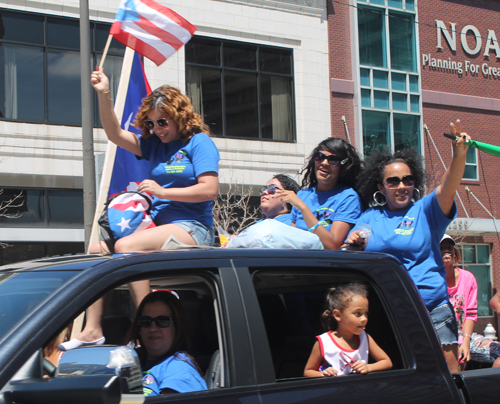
(127, 168)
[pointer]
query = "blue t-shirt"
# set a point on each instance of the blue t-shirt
(285, 218)
(413, 237)
(339, 204)
(176, 373)
(176, 165)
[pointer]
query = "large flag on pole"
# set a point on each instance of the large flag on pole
(122, 170)
(151, 29)
(127, 168)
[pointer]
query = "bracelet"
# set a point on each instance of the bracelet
(105, 92)
(314, 227)
(467, 335)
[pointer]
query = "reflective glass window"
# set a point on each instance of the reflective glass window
(371, 31)
(65, 207)
(406, 131)
(21, 72)
(63, 32)
(376, 131)
(402, 42)
(380, 79)
(21, 27)
(240, 89)
(63, 87)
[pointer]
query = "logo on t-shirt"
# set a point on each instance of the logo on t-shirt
(405, 227)
(324, 216)
(178, 157)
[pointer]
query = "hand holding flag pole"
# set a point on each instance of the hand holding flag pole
(488, 148)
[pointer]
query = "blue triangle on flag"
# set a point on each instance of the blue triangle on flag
(127, 12)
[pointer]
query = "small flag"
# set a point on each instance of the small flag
(151, 29)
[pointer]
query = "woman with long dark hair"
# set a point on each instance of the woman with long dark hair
(327, 205)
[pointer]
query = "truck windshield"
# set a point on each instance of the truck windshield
(22, 292)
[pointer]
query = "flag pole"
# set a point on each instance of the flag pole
(111, 148)
(105, 52)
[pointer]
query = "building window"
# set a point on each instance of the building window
(242, 90)
(389, 80)
(57, 208)
(476, 259)
(470, 172)
(40, 67)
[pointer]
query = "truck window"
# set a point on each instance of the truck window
(198, 298)
(292, 303)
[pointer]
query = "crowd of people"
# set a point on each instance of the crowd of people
(377, 204)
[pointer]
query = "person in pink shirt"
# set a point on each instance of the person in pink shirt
(462, 290)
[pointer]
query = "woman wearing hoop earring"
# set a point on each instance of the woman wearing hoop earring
(412, 230)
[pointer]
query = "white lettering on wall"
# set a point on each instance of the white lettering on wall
(463, 39)
(450, 38)
(491, 44)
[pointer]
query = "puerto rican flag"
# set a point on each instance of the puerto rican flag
(128, 212)
(151, 29)
(127, 169)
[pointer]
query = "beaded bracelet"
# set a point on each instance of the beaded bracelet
(314, 227)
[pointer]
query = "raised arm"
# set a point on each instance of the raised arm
(123, 138)
(445, 192)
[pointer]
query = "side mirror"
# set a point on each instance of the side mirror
(28, 386)
(104, 360)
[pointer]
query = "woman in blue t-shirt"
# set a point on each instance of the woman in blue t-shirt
(183, 179)
(328, 206)
(411, 228)
(160, 329)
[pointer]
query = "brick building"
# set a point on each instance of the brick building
(401, 71)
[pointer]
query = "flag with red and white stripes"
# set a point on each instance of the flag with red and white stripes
(151, 29)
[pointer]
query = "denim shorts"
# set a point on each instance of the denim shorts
(487, 353)
(201, 233)
(445, 323)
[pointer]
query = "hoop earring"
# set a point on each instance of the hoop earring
(375, 202)
(416, 197)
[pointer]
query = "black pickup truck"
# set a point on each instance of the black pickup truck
(255, 315)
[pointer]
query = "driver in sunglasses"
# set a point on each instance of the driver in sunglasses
(410, 226)
(161, 330)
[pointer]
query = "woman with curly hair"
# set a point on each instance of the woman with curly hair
(328, 205)
(183, 169)
(410, 227)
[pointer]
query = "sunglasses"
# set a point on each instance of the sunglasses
(162, 122)
(393, 182)
(333, 159)
(271, 189)
(160, 321)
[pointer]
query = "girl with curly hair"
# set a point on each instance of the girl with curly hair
(345, 346)
(411, 228)
(183, 169)
(328, 205)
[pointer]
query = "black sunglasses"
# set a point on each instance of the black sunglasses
(271, 189)
(393, 182)
(333, 159)
(160, 321)
(152, 124)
